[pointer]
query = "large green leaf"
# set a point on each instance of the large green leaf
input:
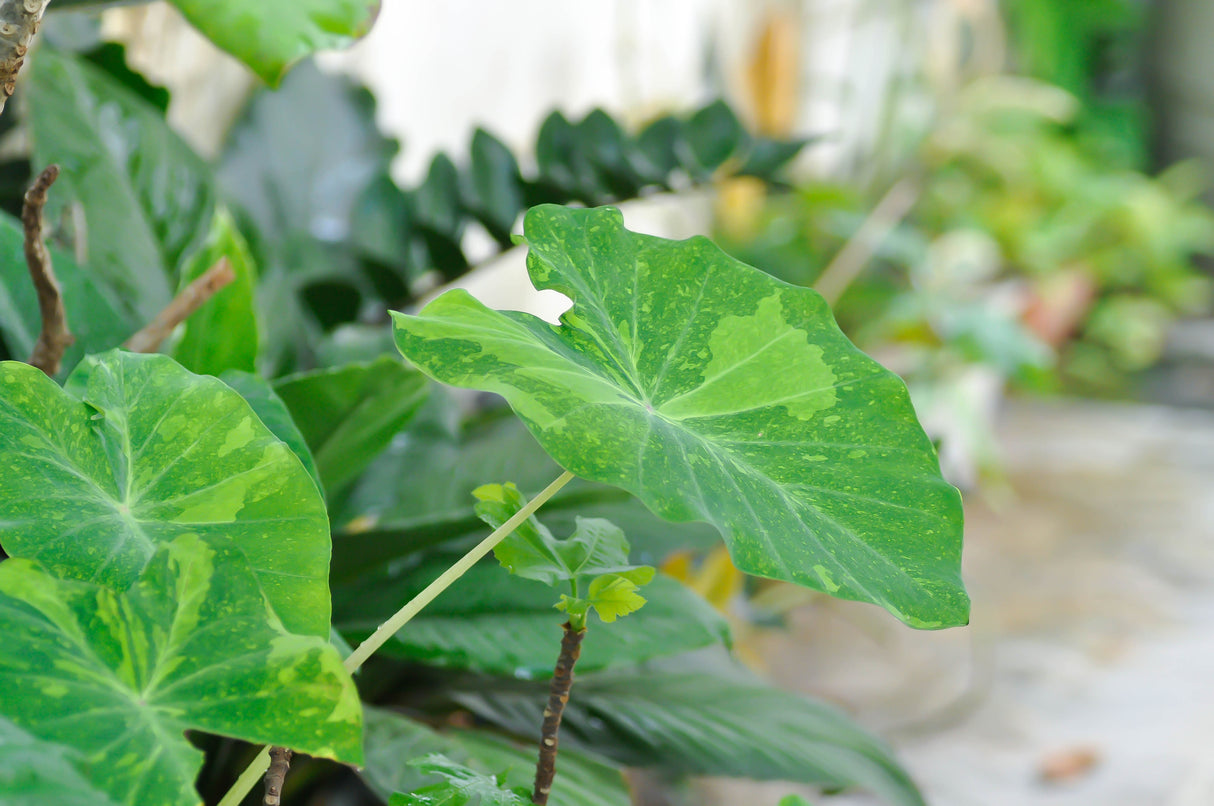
(96, 319)
(349, 414)
(271, 35)
(465, 627)
(704, 725)
(714, 392)
(223, 333)
(146, 198)
(191, 645)
(582, 779)
(35, 773)
(137, 451)
(259, 394)
(461, 786)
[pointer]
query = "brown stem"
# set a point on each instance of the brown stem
(189, 300)
(18, 23)
(558, 696)
(55, 337)
(280, 762)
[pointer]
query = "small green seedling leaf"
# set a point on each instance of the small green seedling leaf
(794, 800)
(714, 392)
(611, 596)
(192, 645)
(136, 451)
(463, 787)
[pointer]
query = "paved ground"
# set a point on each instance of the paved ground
(1087, 676)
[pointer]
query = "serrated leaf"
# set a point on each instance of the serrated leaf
(146, 198)
(463, 787)
(597, 546)
(136, 451)
(700, 724)
(712, 391)
(35, 773)
(191, 645)
(223, 334)
(615, 595)
(463, 629)
(348, 414)
(271, 35)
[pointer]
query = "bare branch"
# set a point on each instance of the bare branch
(189, 300)
(55, 337)
(280, 763)
(18, 23)
(558, 697)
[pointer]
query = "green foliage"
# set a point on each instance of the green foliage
(702, 724)
(462, 787)
(191, 644)
(704, 388)
(34, 772)
(463, 629)
(137, 451)
(146, 200)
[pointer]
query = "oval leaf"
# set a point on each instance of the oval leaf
(271, 35)
(700, 724)
(463, 629)
(137, 451)
(714, 392)
(191, 645)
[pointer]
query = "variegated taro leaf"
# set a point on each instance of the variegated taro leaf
(136, 451)
(714, 392)
(192, 644)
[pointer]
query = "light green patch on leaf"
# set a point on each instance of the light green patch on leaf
(136, 451)
(223, 333)
(192, 644)
(463, 787)
(271, 35)
(35, 773)
(273, 413)
(349, 414)
(701, 385)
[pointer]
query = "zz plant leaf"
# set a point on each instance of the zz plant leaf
(463, 787)
(715, 392)
(119, 676)
(136, 451)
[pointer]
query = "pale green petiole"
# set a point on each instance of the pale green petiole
(256, 769)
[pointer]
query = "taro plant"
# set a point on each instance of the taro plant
(192, 552)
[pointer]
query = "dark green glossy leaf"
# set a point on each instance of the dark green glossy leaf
(658, 149)
(146, 198)
(583, 780)
(271, 35)
(563, 162)
(96, 320)
(461, 786)
(223, 333)
(191, 645)
(349, 414)
(35, 773)
(464, 628)
(704, 725)
(607, 148)
(714, 134)
(273, 413)
(418, 493)
(496, 185)
(766, 156)
(714, 392)
(137, 451)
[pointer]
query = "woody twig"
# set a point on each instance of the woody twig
(55, 338)
(190, 299)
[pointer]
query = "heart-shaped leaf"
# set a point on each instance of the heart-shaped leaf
(191, 645)
(135, 451)
(271, 35)
(712, 391)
